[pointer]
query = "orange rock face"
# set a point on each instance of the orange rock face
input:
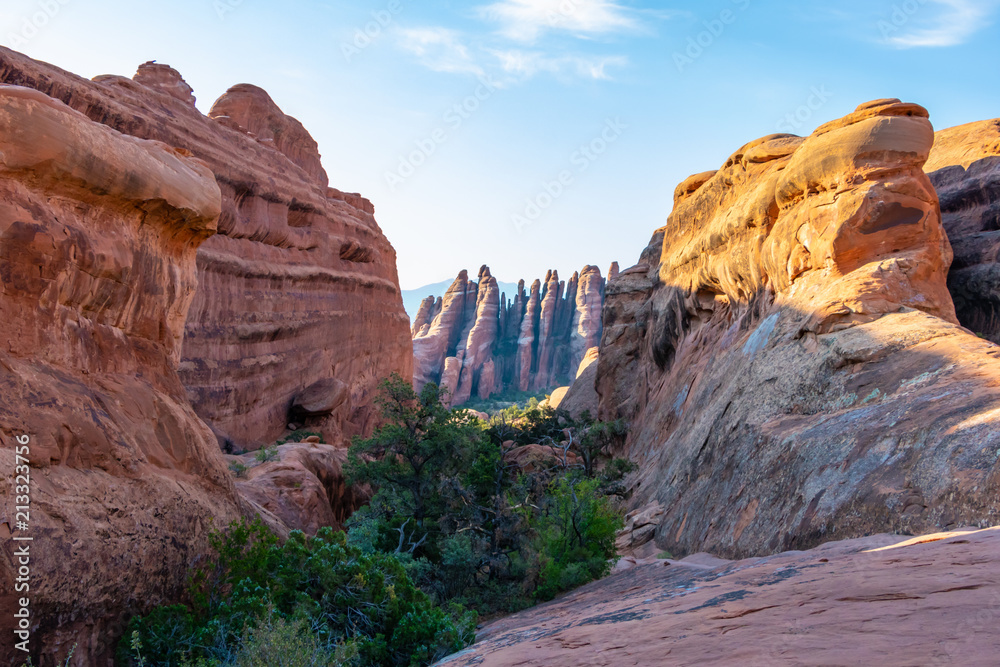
(964, 167)
(98, 237)
(787, 352)
(474, 342)
(151, 258)
(299, 286)
(303, 488)
(881, 600)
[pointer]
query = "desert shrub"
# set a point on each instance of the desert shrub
(266, 454)
(257, 594)
(575, 540)
(238, 469)
(466, 523)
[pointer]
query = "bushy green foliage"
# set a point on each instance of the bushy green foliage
(454, 523)
(352, 603)
(266, 454)
(575, 536)
(468, 525)
(498, 403)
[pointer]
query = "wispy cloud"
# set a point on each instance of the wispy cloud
(526, 64)
(439, 49)
(953, 22)
(527, 20)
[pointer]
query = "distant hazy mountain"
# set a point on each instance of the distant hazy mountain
(413, 297)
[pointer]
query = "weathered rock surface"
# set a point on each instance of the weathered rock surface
(475, 342)
(534, 458)
(298, 286)
(873, 601)
(581, 396)
(98, 237)
(787, 353)
(303, 488)
(964, 167)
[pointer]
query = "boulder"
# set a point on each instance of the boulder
(321, 398)
(304, 488)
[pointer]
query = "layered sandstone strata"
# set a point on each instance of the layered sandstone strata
(788, 355)
(98, 237)
(299, 286)
(476, 342)
(964, 167)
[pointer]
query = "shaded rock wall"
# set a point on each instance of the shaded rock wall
(964, 167)
(98, 237)
(788, 354)
(475, 342)
(298, 287)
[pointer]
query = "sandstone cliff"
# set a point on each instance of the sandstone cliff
(788, 354)
(297, 290)
(145, 247)
(98, 236)
(475, 342)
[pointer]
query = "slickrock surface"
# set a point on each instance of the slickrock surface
(303, 488)
(98, 236)
(299, 285)
(880, 600)
(964, 167)
(788, 356)
(475, 342)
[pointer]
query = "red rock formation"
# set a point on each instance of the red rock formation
(490, 344)
(784, 348)
(964, 167)
(98, 237)
(299, 286)
(303, 488)
(527, 342)
(433, 341)
(250, 110)
(581, 396)
(479, 344)
(587, 316)
(166, 80)
(881, 600)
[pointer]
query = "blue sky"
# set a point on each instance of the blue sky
(535, 134)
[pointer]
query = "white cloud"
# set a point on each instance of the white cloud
(525, 64)
(527, 20)
(439, 49)
(953, 24)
